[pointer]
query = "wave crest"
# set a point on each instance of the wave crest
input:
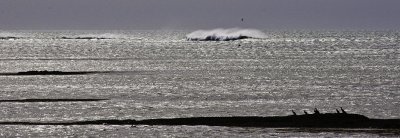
(224, 34)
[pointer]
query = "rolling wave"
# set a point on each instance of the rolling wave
(224, 34)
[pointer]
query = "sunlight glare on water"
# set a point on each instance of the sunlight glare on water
(159, 74)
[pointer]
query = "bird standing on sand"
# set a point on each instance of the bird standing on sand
(305, 112)
(294, 113)
(316, 111)
(343, 112)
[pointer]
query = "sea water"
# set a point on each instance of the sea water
(160, 74)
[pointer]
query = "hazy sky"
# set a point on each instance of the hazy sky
(198, 14)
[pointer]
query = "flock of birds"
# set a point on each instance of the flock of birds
(317, 112)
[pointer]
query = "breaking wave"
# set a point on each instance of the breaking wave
(224, 34)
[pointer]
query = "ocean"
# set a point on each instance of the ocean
(149, 74)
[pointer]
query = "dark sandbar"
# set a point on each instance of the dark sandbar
(51, 100)
(50, 73)
(300, 121)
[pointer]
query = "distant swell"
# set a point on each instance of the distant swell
(87, 38)
(96, 36)
(224, 34)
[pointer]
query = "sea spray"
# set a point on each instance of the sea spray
(224, 34)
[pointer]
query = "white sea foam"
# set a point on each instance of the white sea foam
(224, 34)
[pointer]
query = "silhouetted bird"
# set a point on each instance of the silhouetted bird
(242, 19)
(294, 113)
(343, 112)
(316, 111)
(305, 112)
(337, 111)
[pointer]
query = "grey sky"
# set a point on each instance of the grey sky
(198, 14)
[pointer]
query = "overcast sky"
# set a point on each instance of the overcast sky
(198, 14)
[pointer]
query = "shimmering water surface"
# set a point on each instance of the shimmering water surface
(159, 74)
